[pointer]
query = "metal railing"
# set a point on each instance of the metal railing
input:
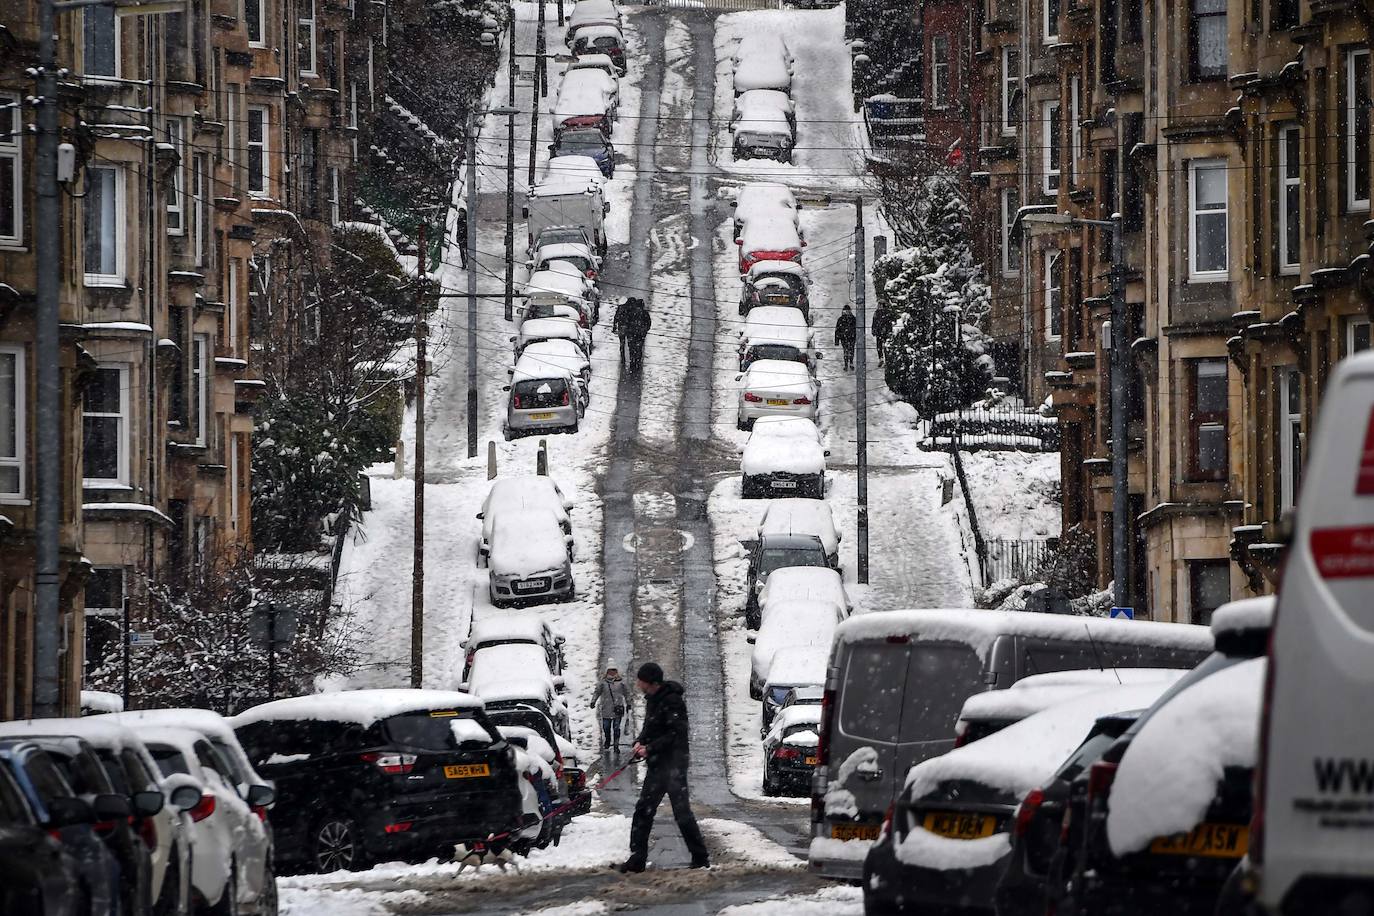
(728, 6)
(996, 428)
(1007, 558)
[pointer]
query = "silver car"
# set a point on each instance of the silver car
(549, 400)
(530, 560)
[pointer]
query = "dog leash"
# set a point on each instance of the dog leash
(572, 802)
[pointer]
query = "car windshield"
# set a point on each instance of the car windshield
(582, 143)
(561, 236)
(438, 730)
(537, 393)
(541, 310)
(577, 261)
(1091, 749)
(779, 557)
(774, 351)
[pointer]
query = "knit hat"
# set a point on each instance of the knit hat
(611, 665)
(650, 673)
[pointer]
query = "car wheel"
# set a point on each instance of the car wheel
(770, 788)
(336, 845)
(229, 900)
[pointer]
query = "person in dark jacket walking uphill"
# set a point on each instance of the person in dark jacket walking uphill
(846, 330)
(662, 742)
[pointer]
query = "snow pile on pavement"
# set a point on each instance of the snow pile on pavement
(345, 901)
(1168, 776)
(836, 900)
(581, 908)
(1016, 495)
(736, 843)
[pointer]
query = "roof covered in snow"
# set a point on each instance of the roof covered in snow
(800, 516)
(803, 583)
(528, 626)
(798, 665)
(525, 542)
(361, 707)
(772, 450)
(1024, 699)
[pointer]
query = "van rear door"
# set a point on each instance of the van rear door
(1316, 836)
(941, 676)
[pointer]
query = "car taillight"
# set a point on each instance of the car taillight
(147, 832)
(886, 828)
(393, 764)
(960, 733)
(517, 402)
(751, 397)
(204, 808)
(801, 400)
(261, 812)
(400, 827)
(787, 753)
(1026, 810)
(591, 274)
(823, 745)
(1100, 778)
(565, 397)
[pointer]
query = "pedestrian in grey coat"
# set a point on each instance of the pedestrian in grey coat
(610, 700)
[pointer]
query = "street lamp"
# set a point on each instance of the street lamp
(1038, 220)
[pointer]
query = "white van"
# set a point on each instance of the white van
(1312, 840)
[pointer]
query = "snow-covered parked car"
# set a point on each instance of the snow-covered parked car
(776, 283)
(945, 841)
(585, 100)
(776, 388)
(763, 200)
(768, 239)
(801, 583)
(591, 13)
(585, 143)
(557, 288)
(513, 630)
(766, 100)
(784, 455)
(763, 61)
(537, 493)
(543, 789)
(538, 329)
(577, 254)
(561, 354)
(231, 848)
(599, 39)
(530, 559)
(543, 399)
(789, 751)
(368, 776)
(777, 332)
(762, 129)
(602, 62)
(803, 516)
(793, 667)
(793, 624)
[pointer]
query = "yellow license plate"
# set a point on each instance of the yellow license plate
(810, 761)
(541, 416)
(777, 402)
(854, 831)
(1219, 841)
(467, 770)
(958, 826)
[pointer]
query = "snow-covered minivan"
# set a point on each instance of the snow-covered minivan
(1312, 840)
(897, 681)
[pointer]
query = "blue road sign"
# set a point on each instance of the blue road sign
(1125, 613)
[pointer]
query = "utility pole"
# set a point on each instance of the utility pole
(471, 243)
(126, 630)
(1120, 383)
(417, 574)
(861, 385)
(271, 651)
(47, 244)
(510, 181)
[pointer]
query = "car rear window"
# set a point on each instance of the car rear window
(940, 679)
(277, 741)
(169, 760)
(438, 730)
(780, 557)
(778, 694)
(540, 393)
(871, 697)
(1092, 748)
(774, 351)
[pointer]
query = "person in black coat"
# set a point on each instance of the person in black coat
(662, 743)
(846, 331)
(637, 323)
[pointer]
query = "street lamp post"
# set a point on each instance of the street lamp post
(1036, 220)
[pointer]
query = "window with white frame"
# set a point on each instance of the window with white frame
(1054, 300)
(1208, 419)
(257, 150)
(200, 206)
(1050, 153)
(200, 385)
(353, 115)
(1207, 221)
(305, 37)
(1358, 335)
(103, 211)
(1207, 39)
(1051, 24)
(105, 427)
(1075, 124)
(13, 416)
(100, 41)
(1011, 241)
(1357, 127)
(255, 18)
(1290, 199)
(232, 132)
(334, 213)
(176, 182)
(939, 71)
(231, 306)
(234, 481)
(1290, 435)
(11, 170)
(1011, 89)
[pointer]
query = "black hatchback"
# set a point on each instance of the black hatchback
(374, 775)
(38, 874)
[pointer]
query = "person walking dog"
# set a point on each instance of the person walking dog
(662, 743)
(610, 700)
(846, 331)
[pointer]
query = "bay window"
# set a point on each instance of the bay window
(13, 416)
(1356, 130)
(103, 225)
(105, 427)
(1208, 224)
(1207, 419)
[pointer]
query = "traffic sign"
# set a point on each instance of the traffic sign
(139, 640)
(1125, 613)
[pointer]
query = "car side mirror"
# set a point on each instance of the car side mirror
(481, 515)
(559, 683)
(505, 388)
(605, 209)
(484, 550)
(525, 212)
(513, 339)
(67, 811)
(739, 241)
(560, 640)
(184, 798)
(820, 356)
(739, 378)
(751, 639)
(553, 147)
(147, 803)
(827, 454)
(462, 686)
(260, 796)
(112, 807)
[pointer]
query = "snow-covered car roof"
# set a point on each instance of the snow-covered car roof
(769, 454)
(1022, 756)
(762, 41)
(765, 319)
(761, 196)
(527, 626)
(360, 707)
(981, 628)
(778, 375)
(790, 428)
(572, 174)
(799, 516)
(770, 97)
(592, 62)
(752, 106)
(795, 623)
(523, 489)
(509, 662)
(581, 98)
(804, 583)
(562, 251)
(769, 233)
(206, 721)
(794, 715)
(1023, 699)
(1247, 614)
(797, 665)
(520, 689)
(101, 701)
(560, 352)
(589, 78)
(539, 370)
(100, 731)
(526, 541)
(762, 71)
(1168, 776)
(545, 328)
(589, 32)
(534, 742)
(559, 282)
(760, 268)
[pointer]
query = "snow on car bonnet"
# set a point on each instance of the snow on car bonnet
(360, 707)
(1169, 773)
(1022, 756)
(1023, 699)
(1244, 615)
(979, 629)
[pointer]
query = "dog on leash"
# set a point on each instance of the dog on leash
(478, 854)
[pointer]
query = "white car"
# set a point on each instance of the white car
(584, 103)
(514, 629)
(763, 200)
(792, 623)
(769, 238)
(763, 61)
(784, 456)
(563, 354)
(802, 583)
(231, 852)
(537, 762)
(521, 494)
(803, 516)
(767, 100)
(792, 667)
(601, 62)
(530, 559)
(776, 388)
(560, 286)
(535, 330)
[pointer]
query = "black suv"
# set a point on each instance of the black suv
(373, 775)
